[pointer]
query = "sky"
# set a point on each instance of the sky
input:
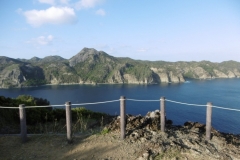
(167, 30)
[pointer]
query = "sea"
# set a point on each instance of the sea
(221, 92)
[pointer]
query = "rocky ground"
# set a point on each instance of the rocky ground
(186, 142)
(143, 141)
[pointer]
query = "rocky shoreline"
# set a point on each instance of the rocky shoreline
(188, 140)
(94, 83)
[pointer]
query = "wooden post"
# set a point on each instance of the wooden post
(208, 121)
(22, 115)
(69, 121)
(122, 117)
(162, 108)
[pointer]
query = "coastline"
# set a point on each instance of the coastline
(95, 83)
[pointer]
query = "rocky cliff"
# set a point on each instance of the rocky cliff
(91, 66)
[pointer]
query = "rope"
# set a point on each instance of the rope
(58, 105)
(30, 107)
(185, 103)
(37, 106)
(141, 100)
(94, 103)
(123, 99)
(9, 107)
(226, 108)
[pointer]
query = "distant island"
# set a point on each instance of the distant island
(90, 66)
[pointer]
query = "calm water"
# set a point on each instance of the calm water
(221, 92)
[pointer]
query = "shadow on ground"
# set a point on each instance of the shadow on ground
(56, 147)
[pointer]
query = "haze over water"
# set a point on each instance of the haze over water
(221, 92)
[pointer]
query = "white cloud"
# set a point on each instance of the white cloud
(52, 15)
(87, 3)
(52, 2)
(42, 40)
(101, 12)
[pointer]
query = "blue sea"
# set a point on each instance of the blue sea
(221, 92)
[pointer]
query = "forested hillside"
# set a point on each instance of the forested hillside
(90, 66)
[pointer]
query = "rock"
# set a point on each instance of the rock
(190, 138)
(143, 139)
(152, 115)
(146, 155)
(220, 74)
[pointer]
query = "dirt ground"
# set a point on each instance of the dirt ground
(88, 146)
(84, 147)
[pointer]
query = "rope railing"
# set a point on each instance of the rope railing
(40, 106)
(238, 110)
(94, 103)
(62, 105)
(128, 99)
(185, 103)
(141, 100)
(162, 100)
(9, 107)
(4, 107)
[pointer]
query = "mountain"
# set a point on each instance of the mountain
(90, 66)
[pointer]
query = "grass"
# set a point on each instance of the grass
(105, 131)
(54, 122)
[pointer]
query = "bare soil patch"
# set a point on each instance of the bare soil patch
(108, 146)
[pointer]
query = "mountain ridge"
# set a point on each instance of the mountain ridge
(90, 66)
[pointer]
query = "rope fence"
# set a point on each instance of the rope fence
(231, 109)
(80, 104)
(137, 100)
(162, 100)
(186, 103)
(141, 100)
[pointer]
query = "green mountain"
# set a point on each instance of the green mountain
(90, 66)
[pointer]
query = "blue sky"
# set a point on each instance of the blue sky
(169, 30)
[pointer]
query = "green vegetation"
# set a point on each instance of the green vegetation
(105, 131)
(208, 68)
(95, 69)
(189, 74)
(39, 119)
(138, 70)
(34, 115)
(91, 66)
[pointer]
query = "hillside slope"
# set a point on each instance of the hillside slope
(90, 66)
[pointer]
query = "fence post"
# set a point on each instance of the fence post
(122, 117)
(162, 108)
(208, 121)
(69, 121)
(22, 115)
